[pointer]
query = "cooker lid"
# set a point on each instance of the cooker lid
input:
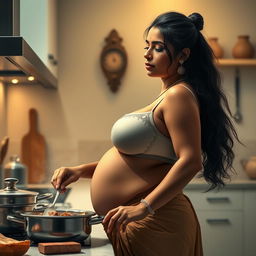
(10, 195)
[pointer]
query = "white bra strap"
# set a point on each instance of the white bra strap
(156, 105)
(178, 85)
(189, 90)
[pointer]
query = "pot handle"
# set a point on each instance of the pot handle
(95, 220)
(15, 219)
(40, 207)
(44, 196)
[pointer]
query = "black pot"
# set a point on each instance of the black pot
(13, 200)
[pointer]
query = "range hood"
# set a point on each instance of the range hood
(17, 58)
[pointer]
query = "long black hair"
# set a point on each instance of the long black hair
(217, 130)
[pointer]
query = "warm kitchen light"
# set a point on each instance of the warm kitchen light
(15, 81)
(31, 78)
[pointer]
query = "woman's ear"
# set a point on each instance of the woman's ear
(185, 54)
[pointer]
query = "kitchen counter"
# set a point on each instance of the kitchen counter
(234, 184)
(100, 245)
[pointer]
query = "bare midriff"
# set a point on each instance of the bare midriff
(118, 178)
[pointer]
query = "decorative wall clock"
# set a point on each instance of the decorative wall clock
(113, 60)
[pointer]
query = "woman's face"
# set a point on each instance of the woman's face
(158, 63)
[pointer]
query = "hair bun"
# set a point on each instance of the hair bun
(197, 20)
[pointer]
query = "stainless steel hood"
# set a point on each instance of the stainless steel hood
(17, 59)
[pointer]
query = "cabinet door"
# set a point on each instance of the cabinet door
(33, 26)
(250, 223)
(38, 26)
(52, 52)
(221, 232)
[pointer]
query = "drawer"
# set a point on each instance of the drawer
(223, 200)
(222, 232)
(250, 199)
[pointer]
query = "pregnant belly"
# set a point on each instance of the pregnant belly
(118, 178)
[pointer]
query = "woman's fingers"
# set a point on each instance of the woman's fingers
(107, 217)
(67, 181)
(53, 179)
(112, 221)
(122, 216)
(120, 222)
(57, 177)
(63, 177)
(115, 218)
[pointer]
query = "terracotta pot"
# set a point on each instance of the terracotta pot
(217, 50)
(243, 48)
(250, 167)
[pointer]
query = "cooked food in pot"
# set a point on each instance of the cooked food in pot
(62, 213)
(55, 213)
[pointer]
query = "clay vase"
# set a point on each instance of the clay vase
(216, 48)
(250, 167)
(243, 48)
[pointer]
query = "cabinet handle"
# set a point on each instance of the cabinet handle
(217, 199)
(218, 221)
(52, 59)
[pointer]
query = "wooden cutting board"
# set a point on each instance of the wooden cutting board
(33, 151)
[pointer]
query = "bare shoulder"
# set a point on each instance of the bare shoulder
(180, 97)
(181, 91)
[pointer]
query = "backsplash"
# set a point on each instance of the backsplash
(92, 150)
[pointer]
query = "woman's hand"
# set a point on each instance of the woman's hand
(122, 215)
(64, 176)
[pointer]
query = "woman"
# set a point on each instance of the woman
(158, 149)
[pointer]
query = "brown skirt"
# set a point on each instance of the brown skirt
(173, 230)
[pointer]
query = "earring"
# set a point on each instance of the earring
(181, 70)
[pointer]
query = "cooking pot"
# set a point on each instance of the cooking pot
(13, 200)
(44, 228)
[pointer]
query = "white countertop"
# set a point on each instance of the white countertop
(100, 245)
(233, 184)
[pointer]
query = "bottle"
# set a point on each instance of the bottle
(243, 48)
(15, 169)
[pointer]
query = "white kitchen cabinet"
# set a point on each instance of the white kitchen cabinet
(221, 232)
(38, 26)
(227, 220)
(250, 223)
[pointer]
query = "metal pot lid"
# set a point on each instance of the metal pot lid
(10, 195)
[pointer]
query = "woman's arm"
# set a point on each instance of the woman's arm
(87, 170)
(63, 176)
(181, 116)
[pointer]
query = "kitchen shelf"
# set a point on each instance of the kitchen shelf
(236, 62)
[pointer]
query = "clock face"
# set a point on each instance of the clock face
(113, 60)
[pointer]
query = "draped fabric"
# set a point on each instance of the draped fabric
(173, 230)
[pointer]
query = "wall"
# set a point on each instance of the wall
(82, 111)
